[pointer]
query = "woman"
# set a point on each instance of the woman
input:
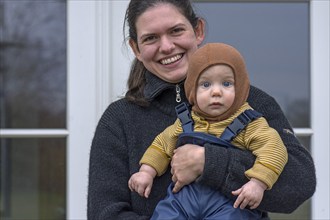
(163, 34)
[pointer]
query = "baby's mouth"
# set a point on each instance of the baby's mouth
(216, 104)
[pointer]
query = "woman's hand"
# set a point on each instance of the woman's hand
(187, 164)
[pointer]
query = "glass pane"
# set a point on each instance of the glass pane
(33, 64)
(33, 178)
(304, 211)
(306, 142)
(274, 39)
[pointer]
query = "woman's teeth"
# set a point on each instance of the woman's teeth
(171, 60)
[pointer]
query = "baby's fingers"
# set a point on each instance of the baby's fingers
(244, 203)
(147, 192)
(131, 185)
(254, 206)
(238, 202)
(239, 198)
(140, 190)
(237, 192)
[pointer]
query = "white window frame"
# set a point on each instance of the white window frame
(320, 98)
(98, 66)
(97, 72)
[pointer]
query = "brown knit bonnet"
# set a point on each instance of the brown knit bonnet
(212, 54)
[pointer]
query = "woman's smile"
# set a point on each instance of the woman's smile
(171, 60)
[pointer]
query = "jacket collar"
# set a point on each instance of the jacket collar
(162, 94)
(155, 86)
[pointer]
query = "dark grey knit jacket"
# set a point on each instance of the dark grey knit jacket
(125, 131)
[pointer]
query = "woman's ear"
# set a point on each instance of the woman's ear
(200, 31)
(135, 48)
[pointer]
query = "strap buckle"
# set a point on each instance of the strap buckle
(183, 114)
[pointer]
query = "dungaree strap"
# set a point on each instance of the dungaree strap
(183, 113)
(239, 124)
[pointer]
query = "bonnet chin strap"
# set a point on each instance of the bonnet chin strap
(232, 130)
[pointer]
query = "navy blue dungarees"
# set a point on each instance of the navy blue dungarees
(196, 201)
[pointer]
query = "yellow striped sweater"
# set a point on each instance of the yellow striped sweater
(264, 142)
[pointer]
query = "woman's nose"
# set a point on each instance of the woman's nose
(166, 45)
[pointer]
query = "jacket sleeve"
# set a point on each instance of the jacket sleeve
(108, 193)
(224, 168)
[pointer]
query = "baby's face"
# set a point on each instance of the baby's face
(215, 90)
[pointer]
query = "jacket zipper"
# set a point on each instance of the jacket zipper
(178, 95)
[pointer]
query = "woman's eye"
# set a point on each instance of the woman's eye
(227, 84)
(149, 39)
(177, 30)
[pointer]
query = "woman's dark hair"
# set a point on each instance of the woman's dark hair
(136, 80)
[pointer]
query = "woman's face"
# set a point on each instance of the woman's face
(165, 41)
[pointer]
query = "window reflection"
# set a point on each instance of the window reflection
(33, 178)
(33, 64)
(306, 142)
(273, 37)
(302, 213)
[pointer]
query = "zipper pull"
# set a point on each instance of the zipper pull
(178, 96)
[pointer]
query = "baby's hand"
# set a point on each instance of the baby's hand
(141, 182)
(250, 194)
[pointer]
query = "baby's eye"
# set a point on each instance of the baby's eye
(206, 84)
(227, 84)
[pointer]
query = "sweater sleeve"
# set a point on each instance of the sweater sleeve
(160, 152)
(266, 144)
(224, 168)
